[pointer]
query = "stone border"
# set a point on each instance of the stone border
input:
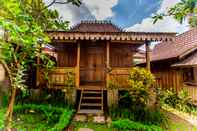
(185, 116)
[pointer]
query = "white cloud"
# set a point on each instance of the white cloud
(168, 24)
(101, 9)
(89, 9)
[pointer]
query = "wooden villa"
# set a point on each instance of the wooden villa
(96, 52)
(174, 63)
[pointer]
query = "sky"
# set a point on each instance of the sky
(130, 15)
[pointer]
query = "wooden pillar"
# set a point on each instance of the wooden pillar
(112, 94)
(147, 44)
(78, 65)
(107, 61)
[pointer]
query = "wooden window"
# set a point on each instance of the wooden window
(188, 75)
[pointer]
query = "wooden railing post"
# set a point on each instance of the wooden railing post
(78, 65)
(147, 44)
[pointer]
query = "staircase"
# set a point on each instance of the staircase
(91, 102)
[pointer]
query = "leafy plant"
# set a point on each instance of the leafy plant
(60, 117)
(180, 11)
(178, 100)
(126, 124)
(140, 80)
(25, 23)
(63, 121)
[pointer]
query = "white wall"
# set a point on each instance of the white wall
(2, 73)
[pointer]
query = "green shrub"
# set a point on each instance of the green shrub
(178, 100)
(63, 121)
(140, 80)
(120, 113)
(133, 103)
(47, 97)
(142, 115)
(126, 124)
(59, 117)
(150, 116)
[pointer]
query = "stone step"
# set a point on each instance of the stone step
(90, 111)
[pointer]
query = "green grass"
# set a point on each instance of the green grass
(31, 122)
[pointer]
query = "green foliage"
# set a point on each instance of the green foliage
(45, 96)
(91, 125)
(126, 124)
(59, 117)
(112, 84)
(5, 99)
(140, 80)
(70, 81)
(193, 21)
(142, 115)
(2, 118)
(121, 113)
(178, 100)
(64, 121)
(133, 103)
(180, 11)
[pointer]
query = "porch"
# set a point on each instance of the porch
(92, 63)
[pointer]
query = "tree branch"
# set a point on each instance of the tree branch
(54, 2)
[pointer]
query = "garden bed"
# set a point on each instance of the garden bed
(190, 118)
(41, 117)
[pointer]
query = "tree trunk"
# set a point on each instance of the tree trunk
(10, 108)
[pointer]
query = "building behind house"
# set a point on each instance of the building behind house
(174, 63)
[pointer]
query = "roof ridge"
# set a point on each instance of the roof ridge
(99, 22)
(95, 22)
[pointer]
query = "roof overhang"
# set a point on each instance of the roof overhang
(191, 61)
(113, 36)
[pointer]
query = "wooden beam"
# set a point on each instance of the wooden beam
(147, 44)
(107, 61)
(78, 65)
(128, 42)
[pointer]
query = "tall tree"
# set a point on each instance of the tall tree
(25, 23)
(180, 11)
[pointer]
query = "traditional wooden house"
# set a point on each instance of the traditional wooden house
(174, 63)
(95, 52)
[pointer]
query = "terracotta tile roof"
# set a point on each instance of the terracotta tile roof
(189, 61)
(181, 46)
(95, 26)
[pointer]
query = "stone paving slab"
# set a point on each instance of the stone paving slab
(85, 129)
